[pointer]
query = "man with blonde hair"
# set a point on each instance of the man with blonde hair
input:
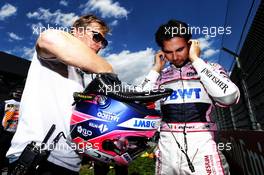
(56, 72)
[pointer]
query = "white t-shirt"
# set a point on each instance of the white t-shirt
(47, 99)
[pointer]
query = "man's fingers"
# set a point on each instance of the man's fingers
(160, 55)
(193, 41)
(160, 52)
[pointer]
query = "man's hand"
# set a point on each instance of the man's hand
(195, 50)
(159, 61)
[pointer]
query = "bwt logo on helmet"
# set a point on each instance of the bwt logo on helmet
(83, 131)
(185, 93)
(138, 123)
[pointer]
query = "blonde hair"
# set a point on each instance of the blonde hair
(84, 21)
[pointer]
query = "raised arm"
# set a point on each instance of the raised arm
(217, 82)
(214, 78)
(56, 44)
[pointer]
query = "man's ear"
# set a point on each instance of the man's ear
(77, 32)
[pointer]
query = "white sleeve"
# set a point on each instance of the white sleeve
(150, 81)
(217, 83)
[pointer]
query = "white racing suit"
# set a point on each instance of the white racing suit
(187, 123)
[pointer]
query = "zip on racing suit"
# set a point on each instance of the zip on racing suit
(187, 125)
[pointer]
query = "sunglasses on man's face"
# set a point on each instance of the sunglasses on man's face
(97, 37)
